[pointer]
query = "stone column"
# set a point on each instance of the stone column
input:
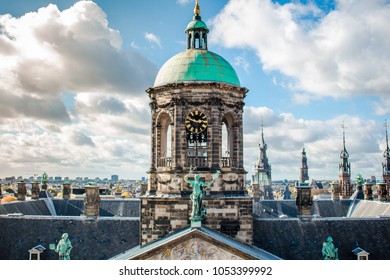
(368, 192)
(335, 191)
(35, 189)
(66, 190)
(91, 201)
(382, 192)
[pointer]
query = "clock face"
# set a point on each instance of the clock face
(196, 122)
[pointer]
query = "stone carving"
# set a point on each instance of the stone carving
(195, 249)
(198, 210)
(329, 252)
(213, 101)
(64, 247)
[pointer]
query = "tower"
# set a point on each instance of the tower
(196, 95)
(345, 171)
(304, 169)
(263, 179)
(386, 163)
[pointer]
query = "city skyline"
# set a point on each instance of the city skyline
(75, 102)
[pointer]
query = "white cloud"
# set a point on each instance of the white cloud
(48, 54)
(152, 38)
(286, 136)
(184, 2)
(242, 62)
(339, 54)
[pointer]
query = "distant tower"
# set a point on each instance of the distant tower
(304, 169)
(386, 164)
(263, 170)
(345, 171)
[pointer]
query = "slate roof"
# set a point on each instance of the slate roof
(108, 207)
(293, 239)
(31, 207)
(276, 208)
(92, 239)
(73, 207)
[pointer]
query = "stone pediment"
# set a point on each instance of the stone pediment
(196, 244)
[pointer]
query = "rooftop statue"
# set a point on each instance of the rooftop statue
(329, 252)
(44, 181)
(198, 210)
(64, 247)
(359, 180)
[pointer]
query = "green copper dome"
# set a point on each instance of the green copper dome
(196, 24)
(196, 65)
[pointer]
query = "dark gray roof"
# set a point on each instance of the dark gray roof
(108, 207)
(293, 239)
(73, 207)
(324, 208)
(31, 207)
(92, 239)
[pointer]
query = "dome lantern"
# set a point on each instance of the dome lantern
(197, 31)
(197, 63)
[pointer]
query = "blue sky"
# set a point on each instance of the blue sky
(74, 74)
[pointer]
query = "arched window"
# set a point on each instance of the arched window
(164, 143)
(227, 141)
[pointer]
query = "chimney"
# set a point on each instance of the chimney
(382, 192)
(304, 200)
(368, 191)
(66, 190)
(335, 186)
(35, 189)
(91, 201)
(22, 190)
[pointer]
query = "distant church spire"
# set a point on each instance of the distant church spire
(263, 169)
(345, 170)
(345, 166)
(386, 155)
(304, 168)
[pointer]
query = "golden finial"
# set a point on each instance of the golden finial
(197, 8)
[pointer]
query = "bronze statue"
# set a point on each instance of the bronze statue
(359, 180)
(329, 252)
(64, 247)
(44, 181)
(198, 210)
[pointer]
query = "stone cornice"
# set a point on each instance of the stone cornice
(197, 85)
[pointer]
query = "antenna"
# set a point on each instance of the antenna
(344, 127)
(386, 125)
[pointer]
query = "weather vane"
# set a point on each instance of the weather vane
(386, 125)
(197, 8)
